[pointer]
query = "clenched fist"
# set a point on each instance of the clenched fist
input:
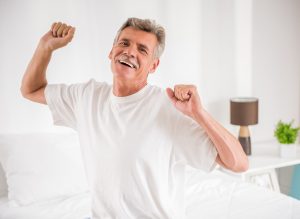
(186, 99)
(59, 36)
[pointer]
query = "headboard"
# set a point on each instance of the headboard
(3, 185)
(52, 161)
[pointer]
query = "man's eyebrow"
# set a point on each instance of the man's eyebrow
(139, 44)
(124, 39)
(143, 46)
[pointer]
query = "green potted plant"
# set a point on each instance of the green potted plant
(287, 135)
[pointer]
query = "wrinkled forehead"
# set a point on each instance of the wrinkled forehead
(138, 36)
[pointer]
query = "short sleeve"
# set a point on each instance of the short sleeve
(193, 146)
(63, 101)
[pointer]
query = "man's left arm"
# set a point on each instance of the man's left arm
(230, 153)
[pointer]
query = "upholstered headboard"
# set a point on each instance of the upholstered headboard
(3, 185)
(40, 166)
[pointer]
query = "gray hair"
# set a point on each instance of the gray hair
(149, 26)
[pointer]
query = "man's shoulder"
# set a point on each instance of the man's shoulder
(92, 83)
(156, 89)
(95, 89)
(92, 86)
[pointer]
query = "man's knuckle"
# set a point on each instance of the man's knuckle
(53, 25)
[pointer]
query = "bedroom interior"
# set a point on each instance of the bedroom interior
(232, 48)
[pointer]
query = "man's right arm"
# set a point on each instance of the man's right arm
(34, 80)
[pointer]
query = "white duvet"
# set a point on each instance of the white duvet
(208, 196)
(219, 196)
(74, 207)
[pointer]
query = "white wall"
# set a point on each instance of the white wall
(276, 68)
(276, 62)
(218, 79)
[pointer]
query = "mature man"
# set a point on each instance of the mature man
(136, 138)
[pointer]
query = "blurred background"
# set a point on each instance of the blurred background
(227, 48)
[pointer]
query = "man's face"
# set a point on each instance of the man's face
(132, 56)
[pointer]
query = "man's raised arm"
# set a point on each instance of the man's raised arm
(230, 153)
(34, 80)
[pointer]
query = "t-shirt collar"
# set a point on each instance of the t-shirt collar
(131, 98)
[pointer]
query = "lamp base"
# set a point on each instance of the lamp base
(244, 139)
(246, 144)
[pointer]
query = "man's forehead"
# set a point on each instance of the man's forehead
(132, 34)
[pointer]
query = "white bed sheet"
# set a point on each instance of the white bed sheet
(73, 207)
(217, 195)
(208, 196)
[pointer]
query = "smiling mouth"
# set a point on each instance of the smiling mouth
(128, 64)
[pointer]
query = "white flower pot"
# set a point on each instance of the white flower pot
(288, 150)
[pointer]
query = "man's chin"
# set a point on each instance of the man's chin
(124, 70)
(121, 71)
(123, 74)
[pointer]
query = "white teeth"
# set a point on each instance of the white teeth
(127, 63)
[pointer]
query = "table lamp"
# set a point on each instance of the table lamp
(244, 112)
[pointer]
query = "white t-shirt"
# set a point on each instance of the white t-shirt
(135, 148)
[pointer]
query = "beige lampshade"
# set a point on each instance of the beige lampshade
(244, 111)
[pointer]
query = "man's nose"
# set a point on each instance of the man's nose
(130, 51)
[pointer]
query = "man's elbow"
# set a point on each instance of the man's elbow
(26, 94)
(23, 92)
(241, 166)
(37, 96)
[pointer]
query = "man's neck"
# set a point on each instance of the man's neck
(125, 88)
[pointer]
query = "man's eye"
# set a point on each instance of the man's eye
(143, 51)
(123, 43)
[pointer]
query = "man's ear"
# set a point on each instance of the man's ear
(154, 65)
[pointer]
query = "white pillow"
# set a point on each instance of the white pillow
(41, 166)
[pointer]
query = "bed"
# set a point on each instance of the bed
(45, 177)
(71, 207)
(218, 195)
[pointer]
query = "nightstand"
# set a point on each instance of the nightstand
(263, 163)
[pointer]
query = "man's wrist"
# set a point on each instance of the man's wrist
(200, 115)
(43, 52)
(43, 48)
